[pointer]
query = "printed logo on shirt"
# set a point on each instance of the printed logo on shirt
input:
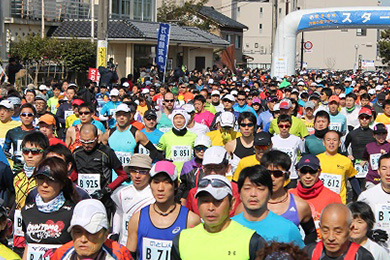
(292, 209)
(176, 230)
(38, 232)
(340, 166)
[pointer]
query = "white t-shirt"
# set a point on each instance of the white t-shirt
(376, 250)
(128, 200)
(379, 201)
(199, 129)
(292, 146)
(219, 108)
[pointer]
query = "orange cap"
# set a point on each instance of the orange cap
(47, 119)
(334, 98)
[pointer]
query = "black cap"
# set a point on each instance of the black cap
(309, 160)
(262, 138)
(45, 170)
(150, 113)
(380, 129)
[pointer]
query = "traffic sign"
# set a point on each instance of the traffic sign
(308, 45)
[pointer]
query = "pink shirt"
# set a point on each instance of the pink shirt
(205, 118)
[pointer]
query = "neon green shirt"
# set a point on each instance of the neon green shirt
(298, 127)
(177, 148)
(52, 104)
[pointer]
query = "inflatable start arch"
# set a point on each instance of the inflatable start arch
(284, 49)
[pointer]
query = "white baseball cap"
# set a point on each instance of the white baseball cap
(234, 92)
(226, 118)
(189, 108)
(114, 92)
(123, 107)
(211, 81)
(215, 155)
(229, 97)
(372, 91)
(219, 193)
(43, 87)
(276, 107)
(202, 140)
(145, 91)
(89, 214)
(7, 104)
(378, 87)
(215, 93)
(125, 84)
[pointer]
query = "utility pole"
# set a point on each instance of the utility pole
(102, 34)
(302, 43)
(274, 22)
(92, 20)
(43, 19)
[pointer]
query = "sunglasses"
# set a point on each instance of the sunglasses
(88, 142)
(215, 183)
(84, 113)
(306, 171)
(169, 100)
(227, 128)
(241, 99)
(262, 147)
(365, 117)
(277, 173)
(247, 125)
(284, 126)
(33, 151)
(27, 114)
(227, 100)
(141, 172)
(217, 168)
(200, 148)
(150, 118)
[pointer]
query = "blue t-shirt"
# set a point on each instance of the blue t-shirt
(99, 125)
(154, 137)
(244, 108)
(273, 228)
(264, 118)
(338, 123)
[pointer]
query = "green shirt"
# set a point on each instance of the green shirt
(52, 104)
(298, 127)
(177, 148)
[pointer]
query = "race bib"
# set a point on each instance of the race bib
(382, 215)
(90, 182)
(143, 150)
(361, 170)
(181, 153)
(374, 161)
(125, 224)
(289, 152)
(124, 157)
(40, 251)
(53, 108)
(68, 113)
(331, 181)
(18, 231)
(335, 126)
(156, 249)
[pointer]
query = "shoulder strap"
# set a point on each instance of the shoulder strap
(111, 131)
(351, 253)
(317, 251)
(133, 130)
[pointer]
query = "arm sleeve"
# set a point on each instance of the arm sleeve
(256, 243)
(348, 140)
(122, 176)
(355, 185)
(310, 231)
(175, 253)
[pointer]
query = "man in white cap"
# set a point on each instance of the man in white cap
(195, 127)
(178, 143)
(89, 229)
(225, 129)
(132, 198)
(218, 237)
(108, 111)
(215, 101)
(228, 101)
(215, 162)
(6, 122)
(152, 229)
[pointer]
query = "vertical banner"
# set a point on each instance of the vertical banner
(162, 46)
(102, 53)
(94, 75)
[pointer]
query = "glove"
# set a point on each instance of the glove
(99, 194)
(114, 237)
(378, 235)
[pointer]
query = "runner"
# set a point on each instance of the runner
(178, 143)
(193, 126)
(290, 144)
(218, 237)
(215, 101)
(53, 204)
(6, 122)
(337, 168)
(47, 126)
(308, 118)
(32, 148)
(89, 230)
(351, 111)
(107, 112)
(202, 116)
(14, 137)
(65, 106)
(152, 229)
(163, 116)
(53, 102)
(283, 203)
(71, 116)
(227, 101)
(314, 143)
(132, 198)
(225, 130)
(336, 220)
(242, 106)
(150, 130)
(373, 152)
(378, 197)
(311, 189)
(255, 186)
(338, 121)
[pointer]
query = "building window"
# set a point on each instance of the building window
(361, 32)
(261, 28)
(143, 10)
(261, 11)
(256, 45)
(280, 10)
(229, 38)
(237, 42)
(238, 9)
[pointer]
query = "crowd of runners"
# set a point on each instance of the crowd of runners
(211, 164)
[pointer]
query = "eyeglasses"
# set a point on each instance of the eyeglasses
(217, 168)
(169, 100)
(262, 147)
(284, 126)
(88, 142)
(33, 151)
(141, 172)
(27, 114)
(200, 148)
(215, 183)
(241, 99)
(306, 171)
(84, 113)
(247, 125)
(277, 173)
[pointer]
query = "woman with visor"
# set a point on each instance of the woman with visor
(47, 218)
